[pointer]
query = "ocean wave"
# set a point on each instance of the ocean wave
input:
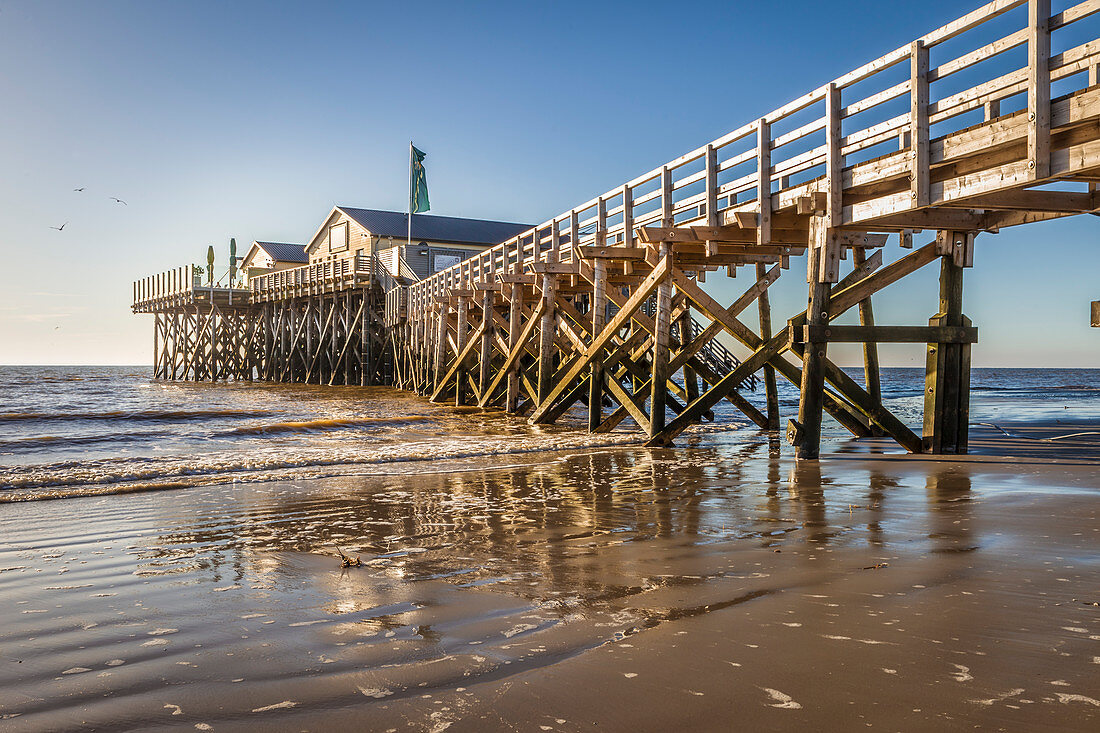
(322, 425)
(38, 442)
(111, 476)
(136, 415)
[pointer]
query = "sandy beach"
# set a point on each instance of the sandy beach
(719, 586)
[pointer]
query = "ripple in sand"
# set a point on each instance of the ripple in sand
(76, 670)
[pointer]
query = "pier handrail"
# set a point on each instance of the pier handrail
(850, 124)
(180, 286)
(317, 275)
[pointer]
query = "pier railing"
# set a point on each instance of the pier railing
(318, 278)
(179, 287)
(862, 141)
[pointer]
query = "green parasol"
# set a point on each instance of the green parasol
(232, 261)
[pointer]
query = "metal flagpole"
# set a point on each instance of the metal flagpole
(410, 242)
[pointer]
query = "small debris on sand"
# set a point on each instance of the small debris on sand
(781, 700)
(276, 706)
(347, 561)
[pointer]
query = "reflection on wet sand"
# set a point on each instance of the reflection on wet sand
(728, 571)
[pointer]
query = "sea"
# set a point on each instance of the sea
(68, 431)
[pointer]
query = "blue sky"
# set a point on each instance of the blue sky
(250, 120)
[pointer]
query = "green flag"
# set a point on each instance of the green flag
(418, 181)
(210, 264)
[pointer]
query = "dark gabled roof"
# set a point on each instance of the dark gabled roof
(282, 252)
(430, 228)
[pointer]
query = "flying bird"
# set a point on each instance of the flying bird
(61, 228)
(118, 201)
(79, 189)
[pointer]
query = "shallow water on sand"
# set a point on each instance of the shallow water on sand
(637, 589)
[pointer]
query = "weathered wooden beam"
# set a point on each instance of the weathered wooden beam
(884, 334)
(611, 253)
(1070, 202)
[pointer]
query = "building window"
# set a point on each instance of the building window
(338, 237)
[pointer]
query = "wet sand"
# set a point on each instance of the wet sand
(715, 586)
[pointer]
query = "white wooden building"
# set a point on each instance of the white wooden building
(437, 241)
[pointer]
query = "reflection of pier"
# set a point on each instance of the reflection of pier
(597, 306)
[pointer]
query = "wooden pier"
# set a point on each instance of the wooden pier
(318, 324)
(603, 306)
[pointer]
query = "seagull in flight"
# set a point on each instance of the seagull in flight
(117, 201)
(79, 189)
(61, 228)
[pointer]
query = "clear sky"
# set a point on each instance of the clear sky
(250, 120)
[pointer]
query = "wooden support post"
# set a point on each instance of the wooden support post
(919, 169)
(1038, 89)
(156, 346)
(691, 377)
(870, 349)
(662, 328)
(441, 332)
(547, 331)
(460, 347)
(515, 328)
(810, 403)
(771, 390)
(599, 318)
(947, 372)
(487, 332)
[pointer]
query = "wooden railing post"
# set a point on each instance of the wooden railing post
(710, 172)
(763, 181)
(919, 170)
(1038, 89)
